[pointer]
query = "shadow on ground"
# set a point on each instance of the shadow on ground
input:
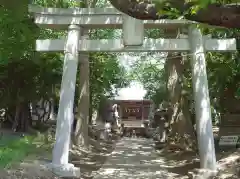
(92, 161)
(137, 158)
(122, 159)
(33, 165)
(134, 158)
(182, 162)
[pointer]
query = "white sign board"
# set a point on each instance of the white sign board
(228, 140)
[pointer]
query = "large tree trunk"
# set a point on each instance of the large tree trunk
(81, 131)
(181, 129)
(22, 120)
(214, 14)
(81, 136)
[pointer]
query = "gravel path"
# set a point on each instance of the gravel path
(133, 158)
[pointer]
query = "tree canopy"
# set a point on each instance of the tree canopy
(223, 13)
(26, 76)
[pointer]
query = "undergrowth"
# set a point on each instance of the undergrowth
(17, 150)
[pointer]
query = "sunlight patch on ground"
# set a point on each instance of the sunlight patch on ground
(223, 163)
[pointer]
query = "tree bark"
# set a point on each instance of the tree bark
(16, 118)
(81, 132)
(214, 14)
(180, 126)
(22, 119)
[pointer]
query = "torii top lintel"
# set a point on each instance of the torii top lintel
(92, 18)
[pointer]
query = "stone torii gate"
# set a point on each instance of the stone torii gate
(77, 20)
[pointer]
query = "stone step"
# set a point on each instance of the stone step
(132, 123)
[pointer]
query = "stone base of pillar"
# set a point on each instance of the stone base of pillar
(64, 170)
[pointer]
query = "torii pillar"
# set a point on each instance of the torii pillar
(60, 163)
(202, 101)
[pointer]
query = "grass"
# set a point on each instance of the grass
(18, 149)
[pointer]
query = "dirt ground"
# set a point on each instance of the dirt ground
(91, 160)
(33, 166)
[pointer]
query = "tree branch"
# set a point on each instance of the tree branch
(214, 14)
